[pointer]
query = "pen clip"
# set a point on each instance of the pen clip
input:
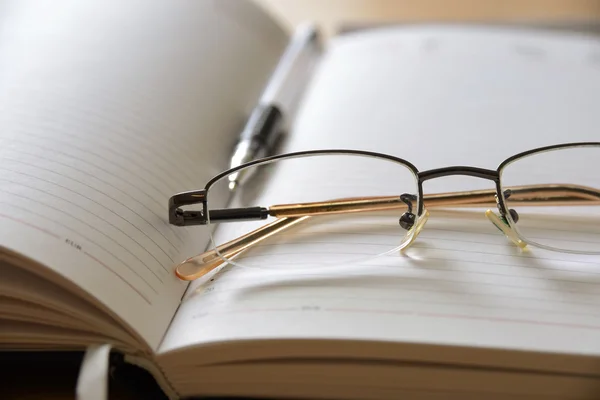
(264, 128)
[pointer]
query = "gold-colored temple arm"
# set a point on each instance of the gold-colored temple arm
(200, 265)
(530, 195)
(291, 214)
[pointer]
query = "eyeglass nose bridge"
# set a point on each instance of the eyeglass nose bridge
(499, 221)
(475, 172)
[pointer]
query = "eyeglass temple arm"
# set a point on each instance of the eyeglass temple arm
(202, 264)
(529, 195)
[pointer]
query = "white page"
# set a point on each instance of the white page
(108, 109)
(437, 97)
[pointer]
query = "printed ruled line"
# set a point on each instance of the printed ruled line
(417, 245)
(142, 142)
(465, 317)
(130, 151)
(66, 144)
(173, 245)
(552, 228)
(412, 300)
(73, 114)
(406, 313)
(126, 265)
(183, 171)
(134, 198)
(426, 280)
(487, 262)
(87, 162)
(299, 262)
(256, 310)
(464, 261)
(521, 257)
(123, 279)
(563, 240)
(104, 207)
(433, 248)
(39, 228)
(87, 224)
(524, 255)
(87, 254)
(226, 286)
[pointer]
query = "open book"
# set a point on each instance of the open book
(109, 109)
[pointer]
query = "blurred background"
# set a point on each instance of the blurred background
(338, 15)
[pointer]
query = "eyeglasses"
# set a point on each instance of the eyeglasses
(332, 207)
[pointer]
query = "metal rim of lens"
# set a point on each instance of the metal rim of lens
(508, 216)
(312, 153)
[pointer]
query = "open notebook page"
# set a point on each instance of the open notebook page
(436, 96)
(108, 109)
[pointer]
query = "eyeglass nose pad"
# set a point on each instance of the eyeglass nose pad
(412, 234)
(504, 227)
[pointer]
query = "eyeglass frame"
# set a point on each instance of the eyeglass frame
(179, 217)
(201, 264)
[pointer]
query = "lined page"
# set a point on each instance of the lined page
(108, 110)
(436, 97)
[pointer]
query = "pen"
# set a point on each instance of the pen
(268, 120)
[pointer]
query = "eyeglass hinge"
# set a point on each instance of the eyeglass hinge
(179, 217)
